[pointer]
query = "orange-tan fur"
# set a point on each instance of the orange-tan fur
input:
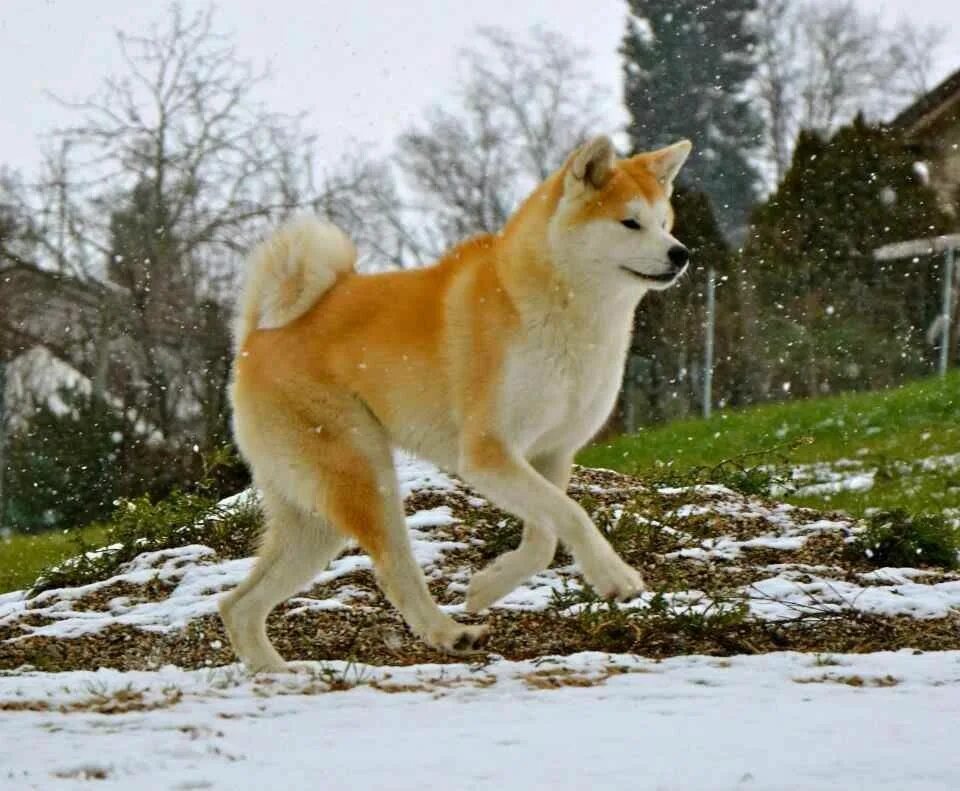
(497, 363)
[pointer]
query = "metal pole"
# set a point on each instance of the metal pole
(3, 436)
(630, 396)
(945, 311)
(710, 328)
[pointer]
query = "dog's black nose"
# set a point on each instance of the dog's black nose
(678, 255)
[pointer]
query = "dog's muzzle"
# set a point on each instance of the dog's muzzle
(679, 257)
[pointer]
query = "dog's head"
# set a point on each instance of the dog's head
(613, 219)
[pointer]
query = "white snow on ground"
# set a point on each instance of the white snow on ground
(859, 482)
(789, 722)
(822, 478)
(853, 475)
(414, 474)
(791, 591)
(881, 721)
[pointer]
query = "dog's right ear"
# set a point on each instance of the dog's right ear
(591, 165)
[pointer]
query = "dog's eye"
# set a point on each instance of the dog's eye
(632, 224)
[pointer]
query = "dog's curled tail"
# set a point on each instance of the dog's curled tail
(289, 271)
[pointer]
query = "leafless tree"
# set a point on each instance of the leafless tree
(840, 59)
(819, 64)
(545, 99)
(361, 196)
(171, 172)
(525, 106)
(776, 78)
(183, 123)
(916, 50)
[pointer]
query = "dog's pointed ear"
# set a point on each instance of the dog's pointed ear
(665, 163)
(591, 165)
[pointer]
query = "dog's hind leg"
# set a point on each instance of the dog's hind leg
(295, 546)
(536, 550)
(331, 460)
(362, 498)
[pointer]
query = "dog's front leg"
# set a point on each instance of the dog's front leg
(537, 546)
(511, 483)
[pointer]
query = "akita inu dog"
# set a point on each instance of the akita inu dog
(498, 364)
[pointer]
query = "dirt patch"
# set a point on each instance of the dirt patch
(851, 681)
(90, 772)
(645, 525)
(100, 599)
(380, 637)
(121, 701)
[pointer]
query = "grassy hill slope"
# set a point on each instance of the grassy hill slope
(886, 435)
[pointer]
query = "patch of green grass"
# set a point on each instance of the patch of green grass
(751, 472)
(919, 419)
(880, 429)
(23, 557)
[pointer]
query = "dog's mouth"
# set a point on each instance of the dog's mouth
(667, 277)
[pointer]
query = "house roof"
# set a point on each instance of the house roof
(38, 306)
(929, 107)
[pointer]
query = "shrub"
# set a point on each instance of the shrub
(895, 538)
(145, 525)
(63, 465)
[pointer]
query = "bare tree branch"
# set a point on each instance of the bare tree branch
(169, 174)
(819, 64)
(525, 105)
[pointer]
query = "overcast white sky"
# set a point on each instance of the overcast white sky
(363, 69)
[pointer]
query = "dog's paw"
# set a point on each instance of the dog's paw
(459, 638)
(270, 667)
(619, 582)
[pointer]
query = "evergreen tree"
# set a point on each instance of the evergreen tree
(144, 260)
(77, 454)
(835, 318)
(64, 466)
(685, 65)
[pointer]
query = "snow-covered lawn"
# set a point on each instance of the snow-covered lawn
(777, 721)
(776, 591)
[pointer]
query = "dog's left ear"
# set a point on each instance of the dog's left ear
(665, 163)
(591, 164)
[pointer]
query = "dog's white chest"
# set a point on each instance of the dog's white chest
(561, 384)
